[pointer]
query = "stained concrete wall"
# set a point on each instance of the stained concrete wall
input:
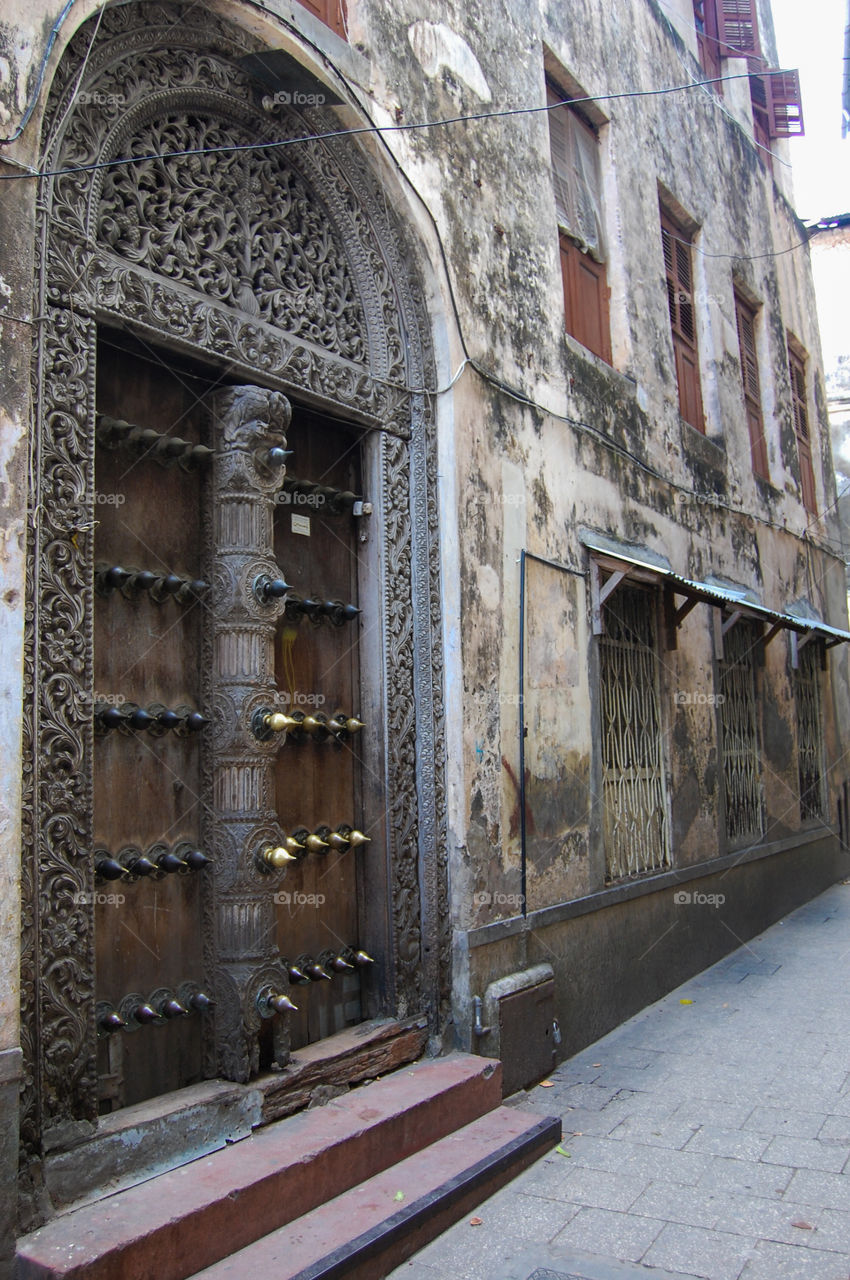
(571, 442)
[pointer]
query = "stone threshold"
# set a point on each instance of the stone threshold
(139, 1142)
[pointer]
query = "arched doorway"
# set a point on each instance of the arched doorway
(242, 301)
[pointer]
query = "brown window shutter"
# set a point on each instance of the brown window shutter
(784, 104)
(739, 28)
(675, 244)
(708, 39)
(800, 410)
(586, 291)
(331, 12)
(746, 319)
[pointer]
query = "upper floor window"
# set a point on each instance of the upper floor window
(331, 12)
(577, 181)
(678, 268)
(708, 40)
(746, 318)
(800, 411)
(730, 29)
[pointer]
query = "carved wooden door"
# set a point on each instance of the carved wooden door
(149, 621)
(318, 521)
(288, 854)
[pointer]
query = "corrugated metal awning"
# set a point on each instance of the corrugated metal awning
(736, 600)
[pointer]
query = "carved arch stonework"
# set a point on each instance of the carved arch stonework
(294, 274)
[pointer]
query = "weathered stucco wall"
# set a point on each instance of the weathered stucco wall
(607, 448)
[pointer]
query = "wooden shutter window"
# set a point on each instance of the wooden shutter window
(585, 298)
(578, 208)
(738, 26)
(576, 177)
(676, 246)
(708, 40)
(331, 12)
(800, 410)
(746, 319)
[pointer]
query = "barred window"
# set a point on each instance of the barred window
(633, 781)
(739, 735)
(807, 688)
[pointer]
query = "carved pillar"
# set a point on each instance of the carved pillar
(247, 422)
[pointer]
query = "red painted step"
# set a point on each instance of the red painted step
(368, 1231)
(191, 1217)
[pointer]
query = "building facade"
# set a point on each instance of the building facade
(424, 601)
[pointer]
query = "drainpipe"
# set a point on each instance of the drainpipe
(522, 854)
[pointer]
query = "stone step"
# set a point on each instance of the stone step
(365, 1233)
(190, 1217)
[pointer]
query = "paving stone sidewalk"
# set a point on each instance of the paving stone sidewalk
(706, 1139)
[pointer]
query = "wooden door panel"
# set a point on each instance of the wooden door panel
(317, 669)
(146, 792)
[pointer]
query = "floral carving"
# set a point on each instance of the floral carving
(240, 227)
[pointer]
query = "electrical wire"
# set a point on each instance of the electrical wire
(30, 107)
(359, 130)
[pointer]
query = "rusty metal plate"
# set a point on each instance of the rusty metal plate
(526, 1036)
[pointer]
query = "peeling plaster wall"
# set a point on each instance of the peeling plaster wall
(528, 478)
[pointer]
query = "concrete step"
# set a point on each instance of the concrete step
(188, 1218)
(365, 1233)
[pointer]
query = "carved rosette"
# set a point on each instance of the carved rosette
(246, 421)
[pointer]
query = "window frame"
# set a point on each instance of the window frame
(331, 12)
(798, 378)
(586, 318)
(746, 319)
(677, 250)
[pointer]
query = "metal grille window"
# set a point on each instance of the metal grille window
(739, 734)
(633, 789)
(810, 732)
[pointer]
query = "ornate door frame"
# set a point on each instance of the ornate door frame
(152, 70)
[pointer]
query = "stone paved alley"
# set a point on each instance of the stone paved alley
(708, 1136)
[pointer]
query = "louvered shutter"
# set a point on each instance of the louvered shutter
(785, 104)
(680, 300)
(745, 316)
(800, 410)
(576, 179)
(738, 26)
